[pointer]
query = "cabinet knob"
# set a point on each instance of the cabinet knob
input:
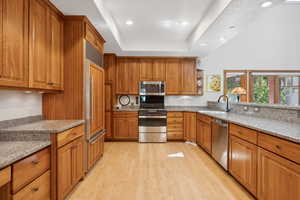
(35, 189)
(278, 147)
(50, 83)
(35, 162)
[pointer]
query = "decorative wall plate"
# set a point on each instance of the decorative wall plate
(124, 100)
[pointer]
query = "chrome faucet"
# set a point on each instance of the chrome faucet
(227, 101)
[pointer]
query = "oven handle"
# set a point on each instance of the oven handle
(152, 117)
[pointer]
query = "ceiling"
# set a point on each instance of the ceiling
(166, 27)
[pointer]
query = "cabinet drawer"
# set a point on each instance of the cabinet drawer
(37, 190)
(243, 133)
(69, 135)
(204, 118)
(175, 135)
(175, 121)
(175, 114)
(29, 169)
(175, 129)
(5, 176)
(122, 114)
(284, 148)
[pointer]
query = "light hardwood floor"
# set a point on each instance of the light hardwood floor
(133, 171)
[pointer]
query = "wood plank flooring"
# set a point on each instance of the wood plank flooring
(133, 171)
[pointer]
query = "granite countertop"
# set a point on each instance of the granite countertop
(44, 127)
(285, 130)
(281, 129)
(12, 151)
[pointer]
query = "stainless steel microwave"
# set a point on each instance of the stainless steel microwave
(154, 88)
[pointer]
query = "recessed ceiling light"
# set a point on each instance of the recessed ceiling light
(232, 27)
(129, 22)
(184, 23)
(222, 39)
(266, 4)
(203, 44)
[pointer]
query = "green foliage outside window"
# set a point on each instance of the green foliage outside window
(261, 90)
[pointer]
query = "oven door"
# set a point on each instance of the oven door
(152, 124)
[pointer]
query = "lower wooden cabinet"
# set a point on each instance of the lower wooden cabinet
(108, 125)
(278, 178)
(39, 189)
(5, 179)
(95, 150)
(190, 126)
(203, 138)
(243, 162)
(5, 192)
(175, 126)
(125, 125)
(69, 166)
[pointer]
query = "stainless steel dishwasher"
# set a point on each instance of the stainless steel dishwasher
(220, 142)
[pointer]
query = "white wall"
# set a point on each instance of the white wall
(272, 42)
(18, 104)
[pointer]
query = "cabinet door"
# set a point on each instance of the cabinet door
(55, 74)
(14, 43)
(145, 69)
(190, 126)
(206, 137)
(132, 127)
(39, 43)
(173, 76)
(77, 160)
(120, 128)
(189, 77)
(278, 178)
(64, 170)
(199, 139)
(159, 70)
(122, 76)
(133, 70)
(97, 96)
(108, 97)
(108, 125)
(109, 64)
(243, 163)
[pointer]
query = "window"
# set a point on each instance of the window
(235, 78)
(265, 87)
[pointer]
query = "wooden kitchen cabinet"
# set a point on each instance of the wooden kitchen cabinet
(108, 125)
(5, 179)
(159, 70)
(204, 135)
(55, 72)
(97, 99)
(278, 178)
(189, 78)
(175, 126)
(45, 47)
(14, 43)
(243, 162)
(96, 150)
(69, 166)
(190, 126)
(125, 125)
(109, 65)
(173, 76)
(133, 75)
(146, 69)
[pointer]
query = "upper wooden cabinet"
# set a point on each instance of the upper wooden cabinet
(189, 77)
(94, 37)
(146, 70)
(109, 65)
(45, 47)
(127, 76)
(173, 76)
(159, 70)
(14, 43)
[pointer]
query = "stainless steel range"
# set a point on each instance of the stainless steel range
(152, 117)
(152, 126)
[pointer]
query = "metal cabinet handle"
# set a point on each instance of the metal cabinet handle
(35, 162)
(35, 189)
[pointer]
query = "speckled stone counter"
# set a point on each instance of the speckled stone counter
(12, 151)
(44, 127)
(285, 130)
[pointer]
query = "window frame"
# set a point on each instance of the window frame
(249, 86)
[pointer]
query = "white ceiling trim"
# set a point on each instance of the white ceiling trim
(109, 21)
(215, 10)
